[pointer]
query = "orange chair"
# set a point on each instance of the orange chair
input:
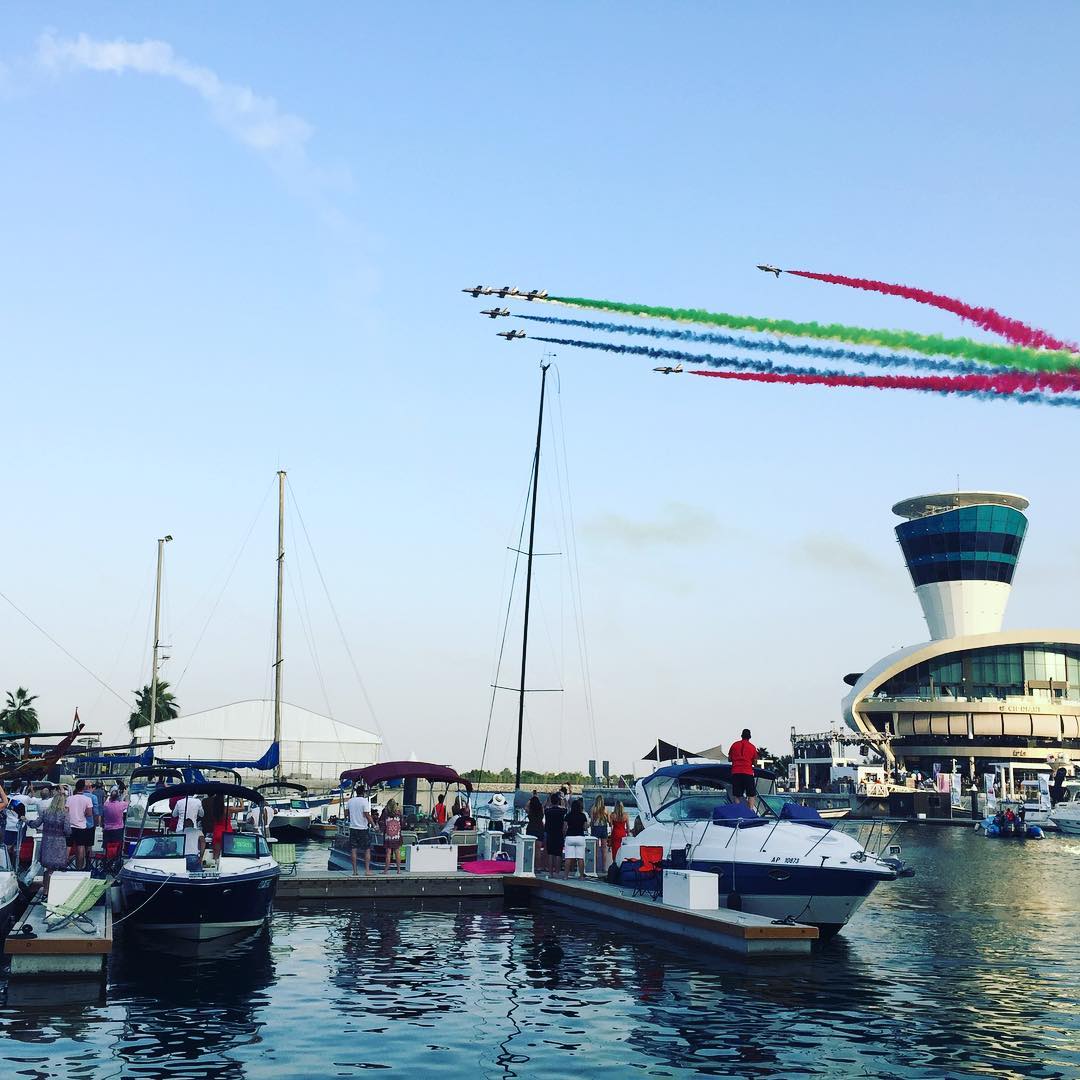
(647, 879)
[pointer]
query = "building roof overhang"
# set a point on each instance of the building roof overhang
(911, 655)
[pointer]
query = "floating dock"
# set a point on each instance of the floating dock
(309, 885)
(66, 952)
(730, 931)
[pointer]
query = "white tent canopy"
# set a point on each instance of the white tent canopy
(313, 746)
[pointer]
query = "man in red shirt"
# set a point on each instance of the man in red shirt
(742, 756)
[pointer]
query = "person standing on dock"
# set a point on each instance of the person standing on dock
(360, 826)
(80, 808)
(554, 819)
(742, 756)
(55, 830)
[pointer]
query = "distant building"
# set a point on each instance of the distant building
(973, 693)
(313, 746)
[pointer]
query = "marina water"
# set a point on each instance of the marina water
(969, 969)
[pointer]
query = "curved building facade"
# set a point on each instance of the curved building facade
(973, 692)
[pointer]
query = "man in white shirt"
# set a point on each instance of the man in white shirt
(188, 806)
(360, 824)
(80, 808)
(194, 841)
(260, 818)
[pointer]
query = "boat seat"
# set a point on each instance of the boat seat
(409, 838)
(465, 838)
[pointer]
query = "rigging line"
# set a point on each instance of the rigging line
(225, 585)
(304, 619)
(576, 599)
(128, 703)
(506, 622)
(333, 611)
(132, 619)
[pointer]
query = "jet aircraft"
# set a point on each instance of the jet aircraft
(770, 269)
(504, 292)
(535, 294)
(676, 370)
(494, 313)
(478, 290)
(511, 334)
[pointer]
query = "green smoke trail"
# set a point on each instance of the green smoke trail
(935, 344)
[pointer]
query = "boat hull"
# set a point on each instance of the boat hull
(290, 826)
(198, 909)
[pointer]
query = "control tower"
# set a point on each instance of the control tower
(961, 548)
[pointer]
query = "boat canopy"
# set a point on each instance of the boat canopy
(705, 772)
(207, 787)
(281, 785)
(156, 772)
(405, 770)
(270, 760)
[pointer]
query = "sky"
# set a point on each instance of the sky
(234, 240)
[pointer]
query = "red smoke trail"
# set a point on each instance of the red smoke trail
(1010, 329)
(1006, 384)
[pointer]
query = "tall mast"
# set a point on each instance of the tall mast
(528, 576)
(280, 591)
(162, 541)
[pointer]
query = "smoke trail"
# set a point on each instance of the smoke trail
(987, 318)
(962, 386)
(878, 359)
(1008, 356)
(999, 382)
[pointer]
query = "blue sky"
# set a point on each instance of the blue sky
(195, 293)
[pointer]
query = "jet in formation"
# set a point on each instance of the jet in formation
(504, 292)
(494, 313)
(676, 370)
(511, 334)
(770, 269)
(478, 290)
(535, 294)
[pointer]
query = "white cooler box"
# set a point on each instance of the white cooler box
(431, 859)
(692, 890)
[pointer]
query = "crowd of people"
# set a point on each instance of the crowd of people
(561, 825)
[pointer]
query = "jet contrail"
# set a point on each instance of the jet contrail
(818, 352)
(935, 345)
(984, 317)
(985, 388)
(1000, 381)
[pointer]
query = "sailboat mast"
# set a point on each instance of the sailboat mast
(162, 541)
(280, 592)
(528, 576)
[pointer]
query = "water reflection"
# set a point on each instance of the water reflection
(189, 1007)
(969, 970)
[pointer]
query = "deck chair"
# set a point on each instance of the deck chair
(74, 910)
(647, 879)
(284, 855)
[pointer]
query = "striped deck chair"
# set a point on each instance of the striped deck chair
(73, 911)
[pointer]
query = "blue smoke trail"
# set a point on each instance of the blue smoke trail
(817, 352)
(1034, 397)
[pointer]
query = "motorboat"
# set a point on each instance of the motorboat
(150, 780)
(790, 866)
(1010, 823)
(293, 813)
(407, 774)
(168, 887)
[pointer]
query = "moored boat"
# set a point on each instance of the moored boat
(167, 886)
(792, 866)
(293, 814)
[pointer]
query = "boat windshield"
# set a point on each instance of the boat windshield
(244, 846)
(674, 801)
(160, 847)
(298, 804)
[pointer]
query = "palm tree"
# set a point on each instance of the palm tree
(19, 717)
(167, 709)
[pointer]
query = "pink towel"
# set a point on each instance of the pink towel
(488, 866)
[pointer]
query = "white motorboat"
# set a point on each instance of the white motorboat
(167, 888)
(293, 814)
(1065, 815)
(794, 866)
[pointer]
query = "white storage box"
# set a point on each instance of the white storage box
(431, 859)
(693, 890)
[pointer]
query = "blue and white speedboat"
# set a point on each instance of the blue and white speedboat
(794, 866)
(168, 887)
